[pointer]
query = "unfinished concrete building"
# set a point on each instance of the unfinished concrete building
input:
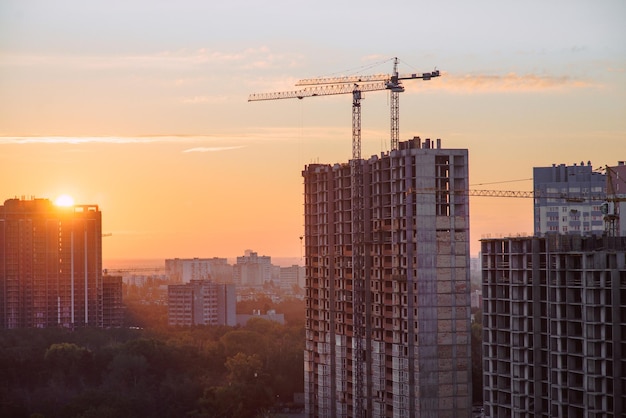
(415, 357)
(50, 265)
(112, 302)
(554, 326)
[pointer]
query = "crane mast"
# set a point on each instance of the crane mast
(395, 108)
(358, 253)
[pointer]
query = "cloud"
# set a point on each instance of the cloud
(212, 149)
(77, 140)
(12, 140)
(506, 83)
(245, 59)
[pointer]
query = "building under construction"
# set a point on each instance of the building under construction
(554, 326)
(50, 265)
(388, 298)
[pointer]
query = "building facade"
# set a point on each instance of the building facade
(202, 302)
(112, 302)
(184, 270)
(581, 212)
(554, 326)
(387, 298)
(292, 276)
(50, 265)
(252, 270)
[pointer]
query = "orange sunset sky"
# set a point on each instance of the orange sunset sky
(141, 106)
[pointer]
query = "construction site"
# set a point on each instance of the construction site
(388, 288)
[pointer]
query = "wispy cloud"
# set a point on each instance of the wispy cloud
(506, 83)
(78, 140)
(11, 140)
(245, 59)
(212, 149)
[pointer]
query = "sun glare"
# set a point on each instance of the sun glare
(64, 200)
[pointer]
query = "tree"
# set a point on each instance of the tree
(68, 362)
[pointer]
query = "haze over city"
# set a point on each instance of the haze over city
(141, 107)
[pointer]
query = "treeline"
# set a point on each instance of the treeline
(165, 372)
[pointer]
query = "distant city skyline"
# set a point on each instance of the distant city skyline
(141, 107)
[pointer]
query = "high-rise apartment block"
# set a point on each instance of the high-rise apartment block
(580, 211)
(405, 351)
(554, 326)
(184, 270)
(292, 276)
(50, 265)
(202, 302)
(252, 270)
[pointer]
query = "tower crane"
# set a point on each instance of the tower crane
(391, 82)
(355, 85)
(615, 194)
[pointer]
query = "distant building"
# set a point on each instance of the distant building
(202, 302)
(184, 270)
(50, 265)
(579, 212)
(112, 304)
(252, 270)
(554, 326)
(271, 315)
(292, 276)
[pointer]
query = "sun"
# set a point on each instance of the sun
(64, 200)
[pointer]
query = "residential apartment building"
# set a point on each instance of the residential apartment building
(581, 211)
(252, 270)
(202, 302)
(387, 300)
(292, 276)
(184, 270)
(554, 326)
(50, 265)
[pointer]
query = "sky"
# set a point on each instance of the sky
(141, 107)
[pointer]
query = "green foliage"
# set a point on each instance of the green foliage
(158, 372)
